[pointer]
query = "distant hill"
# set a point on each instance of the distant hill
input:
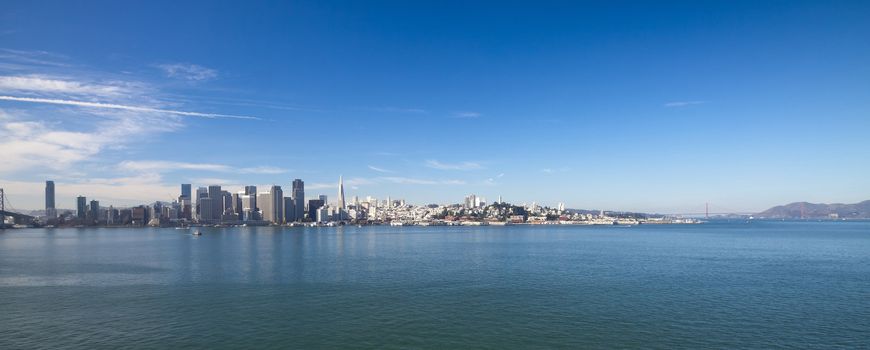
(818, 210)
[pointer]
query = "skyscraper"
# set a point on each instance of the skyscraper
(289, 210)
(111, 214)
(249, 207)
(277, 207)
(217, 201)
(237, 202)
(94, 212)
(81, 207)
(227, 203)
(252, 191)
(50, 210)
(206, 212)
(185, 190)
(340, 193)
(298, 194)
(264, 204)
(201, 193)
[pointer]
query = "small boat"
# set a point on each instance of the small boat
(197, 233)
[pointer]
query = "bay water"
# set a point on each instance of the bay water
(722, 284)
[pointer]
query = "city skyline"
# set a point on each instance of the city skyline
(659, 109)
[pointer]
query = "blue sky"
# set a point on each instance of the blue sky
(648, 106)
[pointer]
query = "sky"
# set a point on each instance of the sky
(618, 105)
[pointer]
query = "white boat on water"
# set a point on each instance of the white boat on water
(197, 233)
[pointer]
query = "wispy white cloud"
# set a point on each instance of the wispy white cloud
(110, 115)
(266, 170)
(414, 181)
(391, 109)
(187, 71)
(353, 182)
(385, 154)
(493, 181)
(24, 59)
(157, 165)
(319, 185)
(123, 107)
(556, 170)
(41, 84)
(683, 103)
(380, 170)
(163, 166)
(467, 115)
(399, 180)
(201, 181)
(27, 144)
(434, 164)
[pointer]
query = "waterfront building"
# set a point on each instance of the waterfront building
(264, 203)
(322, 198)
(323, 214)
(50, 210)
(252, 191)
(81, 207)
(277, 205)
(226, 203)
(206, 210)
(139, 215)
(111, 214)
(289, 210)
(94, 212)
(298, 194)
(237, 202)
(217, 203)
(185, 209)
(201, 192)
(248, 207)
(313, 206)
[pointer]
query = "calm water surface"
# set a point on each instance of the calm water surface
(718, 285)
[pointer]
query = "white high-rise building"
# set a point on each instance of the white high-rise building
(471, 201)
(249, 206)
(264, 201)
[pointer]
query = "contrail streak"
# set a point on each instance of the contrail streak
(123, 107)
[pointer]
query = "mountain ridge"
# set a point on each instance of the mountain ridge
(807, 210)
